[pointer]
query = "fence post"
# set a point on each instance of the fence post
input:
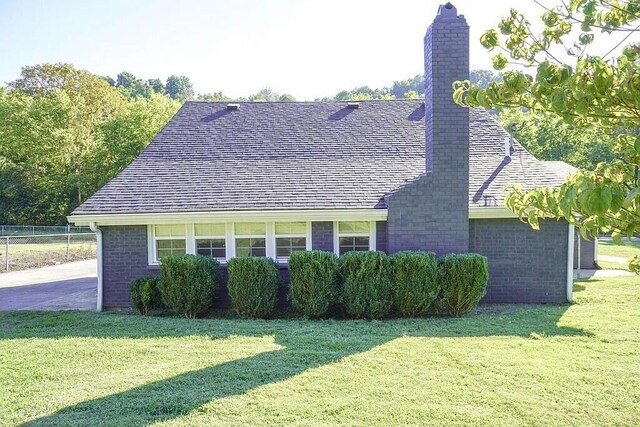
(6, 254)
(68, 244)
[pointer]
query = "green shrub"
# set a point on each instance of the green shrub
(415, 285)
(145, 294)
(312, 281)
(188, 283)
(463, 281)
(366, 284)
(253, 286)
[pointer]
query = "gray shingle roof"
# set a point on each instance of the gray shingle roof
(560, 168)
(300, 155)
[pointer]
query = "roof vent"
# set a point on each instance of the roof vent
(353, 104)
(233, 106)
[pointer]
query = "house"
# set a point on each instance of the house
(266, 179)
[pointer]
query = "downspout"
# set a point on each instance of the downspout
(95, 229)
(571, 241)
(579, 249)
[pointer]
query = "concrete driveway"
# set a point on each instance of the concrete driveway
(71, 286)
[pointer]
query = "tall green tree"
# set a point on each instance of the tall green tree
(549, 137)
(127, 133)
(63, 133)
(179, 87)
(558, 71)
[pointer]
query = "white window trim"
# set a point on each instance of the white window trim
(152, 239)
(371, 235)
(207, 237)
(230, 239)
(306, 235)
(264, 236)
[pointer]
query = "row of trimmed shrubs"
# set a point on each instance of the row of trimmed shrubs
(358, 284)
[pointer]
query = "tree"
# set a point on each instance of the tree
(586, 89)
(126, 79)
(64, 133)
(213, 97)
(60, 105)
(156, 85)
(127, 134)
(548, 137)
(179, 87)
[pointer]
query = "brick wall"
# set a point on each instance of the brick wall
(124, 258)
(322, 236)
(525, 265)
(432, 211)
(587, 252)
(381, 236)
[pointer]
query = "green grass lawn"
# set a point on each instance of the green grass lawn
(626, 250)
(504, 365)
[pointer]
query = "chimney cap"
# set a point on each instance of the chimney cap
(233, 106)
(447, 10)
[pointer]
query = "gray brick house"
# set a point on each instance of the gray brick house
(266, 179)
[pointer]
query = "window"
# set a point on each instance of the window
(251, 239)
(169, 240)
(290, 237)
(354, 236)
(210, 240)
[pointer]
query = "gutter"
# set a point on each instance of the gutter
(94, 227)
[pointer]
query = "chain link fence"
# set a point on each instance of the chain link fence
(24, 230)
(21, 252)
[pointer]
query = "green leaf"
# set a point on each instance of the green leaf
(586, 38)
(636, 144)
(489, 39)
(599, 200)
(616, 237)
(499, 61)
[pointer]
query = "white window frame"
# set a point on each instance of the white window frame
(230, 239)
(152, 239)
(264, 236)
(306, 235)
(371, 235)
(222, 236)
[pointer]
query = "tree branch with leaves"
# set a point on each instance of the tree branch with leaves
(554, 70)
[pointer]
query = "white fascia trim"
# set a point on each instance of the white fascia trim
(571, 241)
(264, 215)
(231, 216)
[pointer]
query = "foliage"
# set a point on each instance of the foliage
(412, 88)
(268, 95)
(188, 283)
(548, 137)
(463, 281)
(366, 284)
(253, 286)
(128, 133)
(64, 133)
(145, 294)
(179, 87)
(312, 281)
(50, 120)
(593, 91)
(415, 284)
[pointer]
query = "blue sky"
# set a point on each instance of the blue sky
(307, 48)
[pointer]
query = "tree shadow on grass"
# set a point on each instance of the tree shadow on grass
(307, 345)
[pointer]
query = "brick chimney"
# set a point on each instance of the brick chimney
(446, 59)
(432, 212)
